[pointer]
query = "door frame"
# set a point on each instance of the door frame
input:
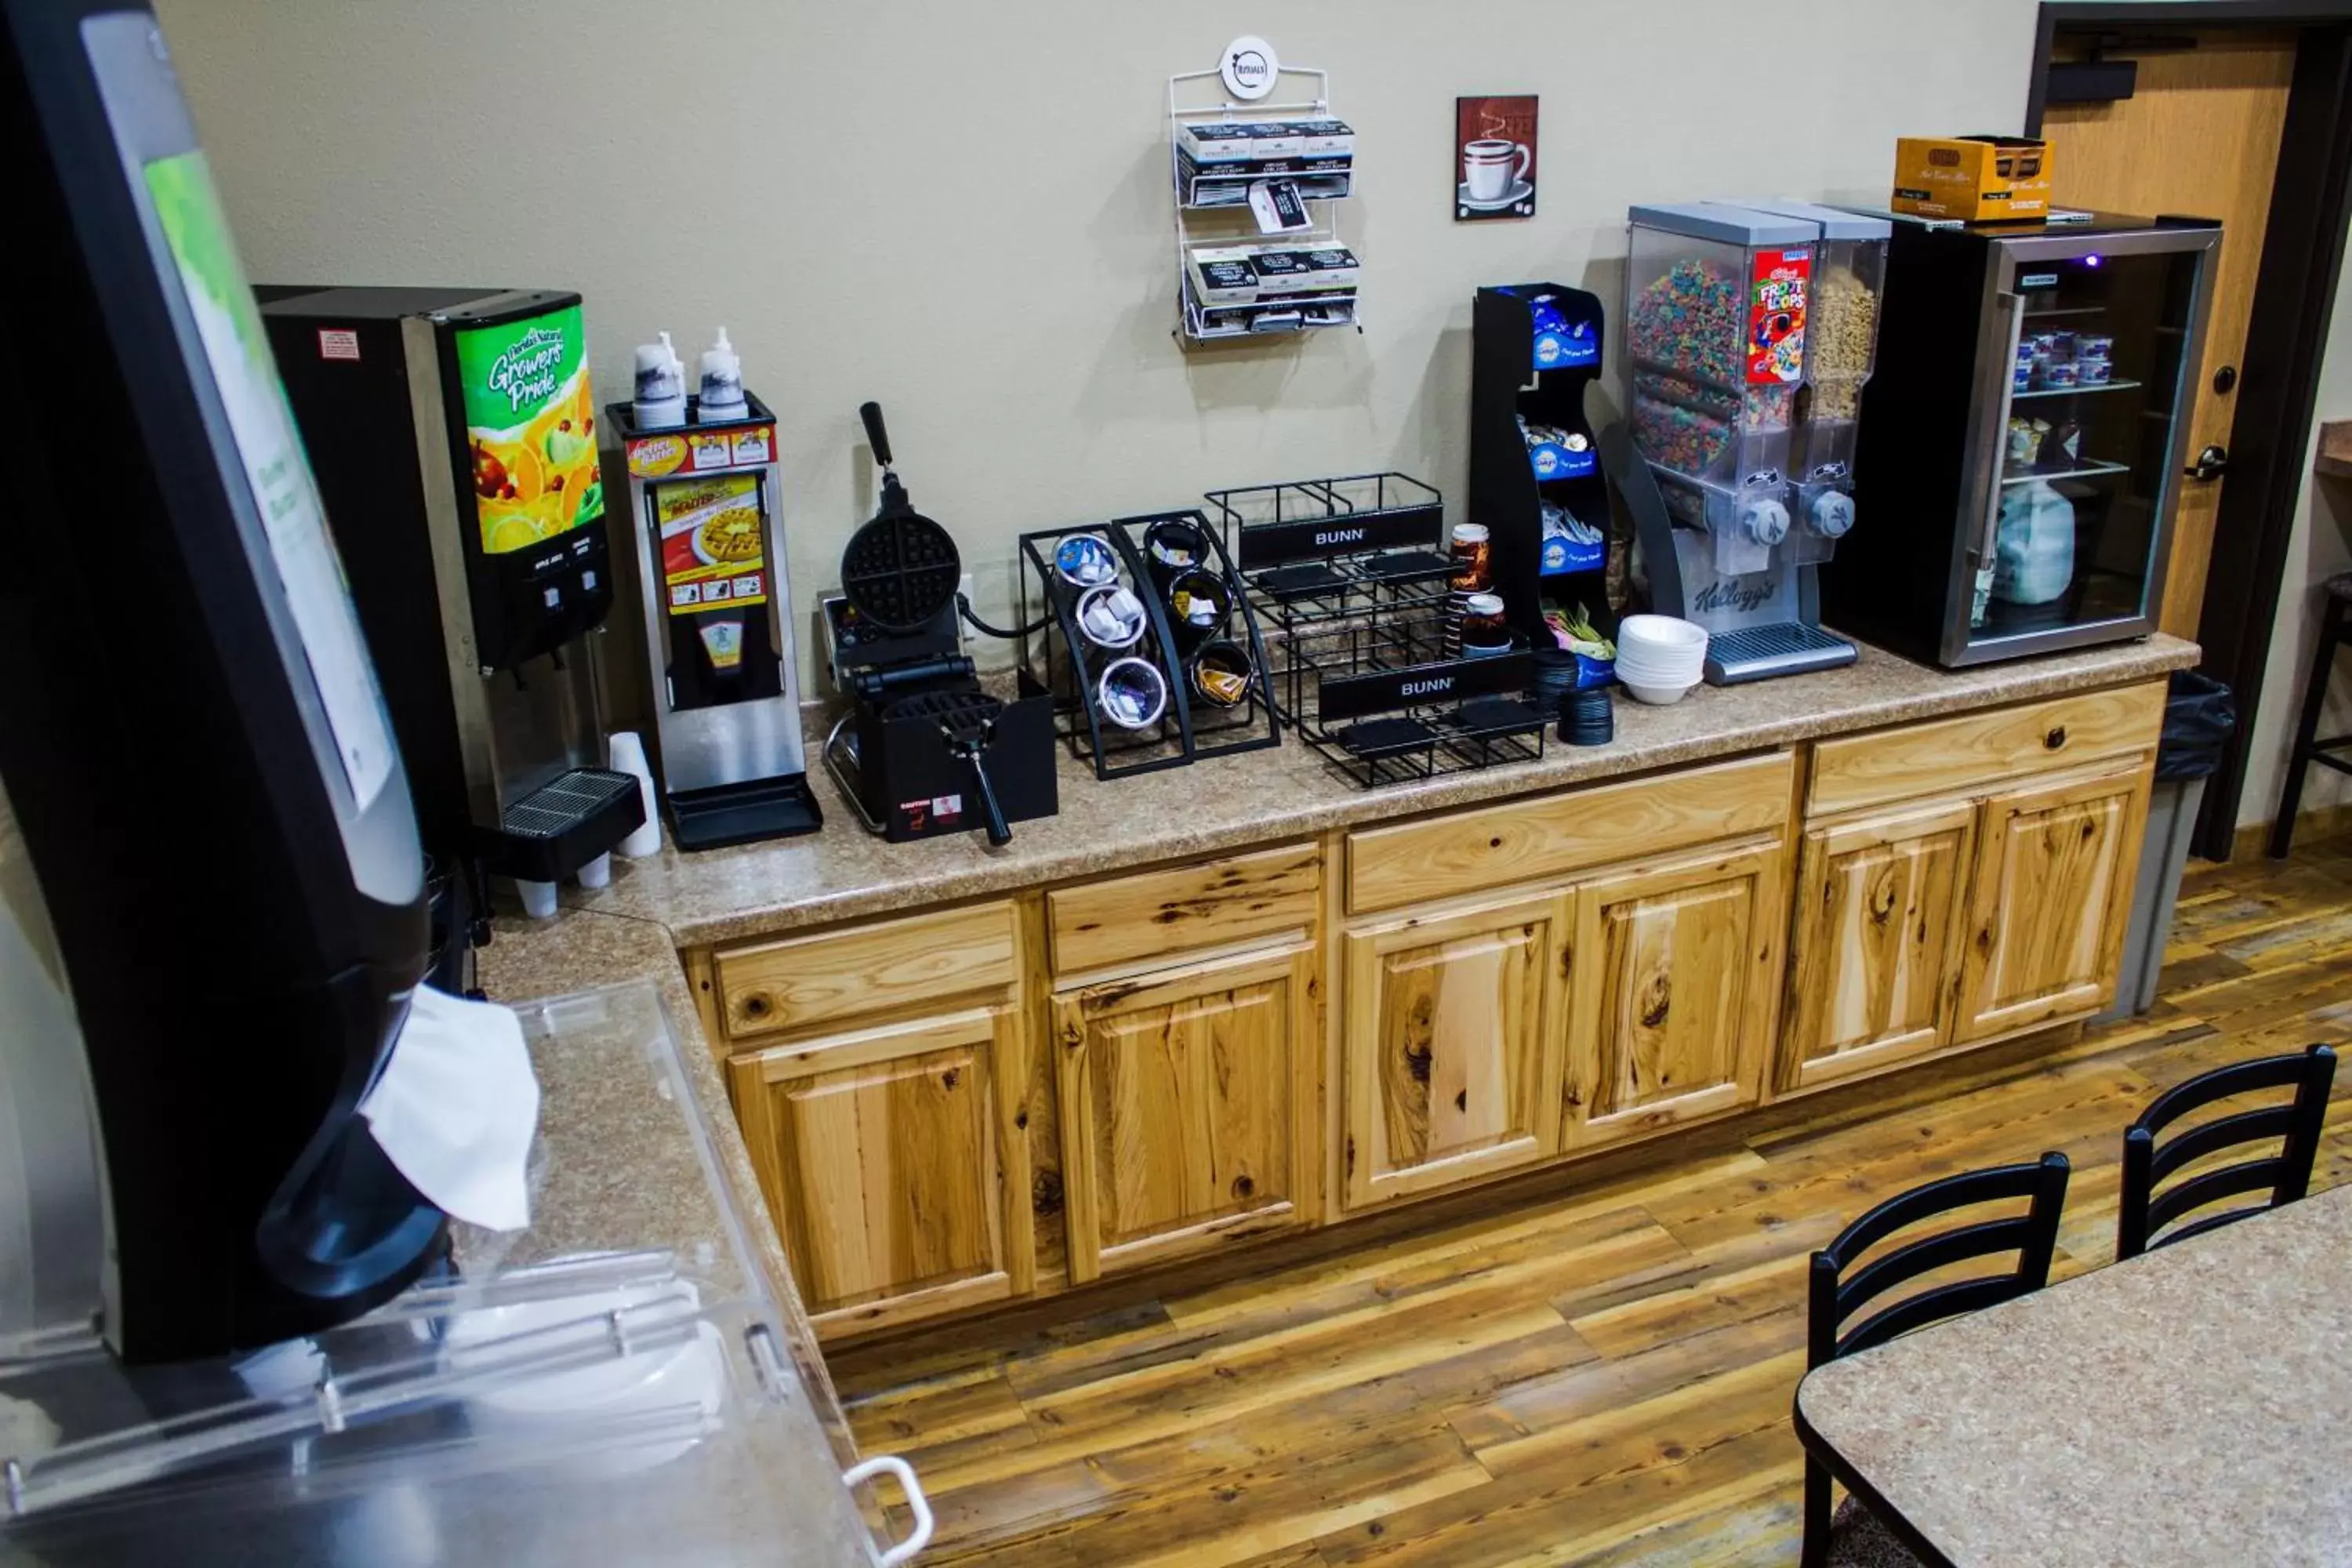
(2294, 293)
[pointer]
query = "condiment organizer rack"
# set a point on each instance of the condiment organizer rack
(1058, 657)
(1352, 582)
(1198, 98)
(1535, 349)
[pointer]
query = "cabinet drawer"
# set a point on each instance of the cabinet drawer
(1524, 841)
(1959, 754)
(809, 980)
(1212, 903)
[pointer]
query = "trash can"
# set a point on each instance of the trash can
(2198, 718)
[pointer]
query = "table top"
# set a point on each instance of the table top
(2186, 1407)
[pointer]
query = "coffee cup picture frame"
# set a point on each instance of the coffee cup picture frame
(1494, 169)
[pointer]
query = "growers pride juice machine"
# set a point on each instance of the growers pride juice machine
(453, 431)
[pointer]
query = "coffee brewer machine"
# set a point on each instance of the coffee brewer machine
(454, 436)
(223, 920)
(1718, 306)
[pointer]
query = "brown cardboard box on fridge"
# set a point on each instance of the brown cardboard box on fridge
(1973, 178)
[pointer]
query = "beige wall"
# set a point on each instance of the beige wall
(847, 188)
(2320, 547)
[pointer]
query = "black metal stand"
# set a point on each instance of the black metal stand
(1351, 580)
(1510, 484)
(1059, 658)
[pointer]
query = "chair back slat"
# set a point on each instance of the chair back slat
(2211, 1188)
(1940, 1197)
(1933, 1307)
(1938, 1251)
(2142, 1214)
(2222, 1133)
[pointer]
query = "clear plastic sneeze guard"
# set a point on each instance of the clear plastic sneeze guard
(612, 1384)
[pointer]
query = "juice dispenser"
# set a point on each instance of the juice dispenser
(1715, 329)
(1840, 347)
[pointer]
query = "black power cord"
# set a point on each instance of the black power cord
(963, 608)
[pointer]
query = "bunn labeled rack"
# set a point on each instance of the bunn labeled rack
(1353, 580)
(1189, 682)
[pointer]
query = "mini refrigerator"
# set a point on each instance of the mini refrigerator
(2023, 446)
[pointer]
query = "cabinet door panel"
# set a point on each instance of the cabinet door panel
(1177, 1101)
(1673, 986)
(881, 1156)
(2049, 901)
(1881, 906)
(1450, 1031)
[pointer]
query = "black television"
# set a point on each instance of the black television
(190, 732)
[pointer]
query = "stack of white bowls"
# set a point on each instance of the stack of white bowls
(1660, 658)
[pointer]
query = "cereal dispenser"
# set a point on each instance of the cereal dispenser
(1840, 345)
(1714, 326)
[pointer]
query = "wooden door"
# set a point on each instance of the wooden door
(884, 1158)
(1674, 989)
(1881, 906)
(1179, 1095)
(2200, 137)
(2050, 898)
(1451, 1034)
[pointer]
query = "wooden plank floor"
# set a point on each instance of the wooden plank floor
(1600, 1376)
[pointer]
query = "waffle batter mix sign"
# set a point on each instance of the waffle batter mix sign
(1779, 286)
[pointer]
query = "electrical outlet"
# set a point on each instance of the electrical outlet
(963, 632)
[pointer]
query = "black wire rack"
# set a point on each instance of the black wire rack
(1352, 582)
(1057, 656)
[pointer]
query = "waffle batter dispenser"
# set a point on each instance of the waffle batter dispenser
(718, 639)
(1716, 308)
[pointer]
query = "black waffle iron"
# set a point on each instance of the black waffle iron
(924, 748)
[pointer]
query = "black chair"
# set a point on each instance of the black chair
(2287, 1173)
(2335, 631)
(1832, 1298)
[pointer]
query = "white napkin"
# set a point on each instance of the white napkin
(457, 1105)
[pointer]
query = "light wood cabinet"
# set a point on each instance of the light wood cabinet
(1881, 906)
(1450, 1048)
(1180, 1098)
(1674, 972)
(2051, 899)
(887, 1159)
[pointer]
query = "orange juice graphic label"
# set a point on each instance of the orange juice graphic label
(531, 429)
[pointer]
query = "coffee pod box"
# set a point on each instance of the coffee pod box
(1224, 276)
(1333, 266)
(1219, 141)
(1282, 272)
(1325, 138)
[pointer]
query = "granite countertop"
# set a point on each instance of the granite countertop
(1225, 803)
(2184, 1409)
(647, 1173)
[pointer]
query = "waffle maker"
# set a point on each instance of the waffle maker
(924, 748)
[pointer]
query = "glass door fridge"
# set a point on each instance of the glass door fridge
(2024, 438)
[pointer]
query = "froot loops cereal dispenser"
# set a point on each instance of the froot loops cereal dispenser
(1715, 300)
(1840, 347)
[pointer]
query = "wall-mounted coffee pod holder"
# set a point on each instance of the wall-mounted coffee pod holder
(1138, 706)
(1351, 579)
(1256, 181)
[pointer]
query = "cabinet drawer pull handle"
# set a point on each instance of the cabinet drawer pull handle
(2057, 738)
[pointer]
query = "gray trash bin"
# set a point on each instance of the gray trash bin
(2197, 719)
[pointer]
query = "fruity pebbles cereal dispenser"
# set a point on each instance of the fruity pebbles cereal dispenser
(1715, 302)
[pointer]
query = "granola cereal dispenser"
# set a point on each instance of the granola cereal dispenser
(1840, 347)
(1716, 308)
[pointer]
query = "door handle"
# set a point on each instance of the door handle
(2211, 464)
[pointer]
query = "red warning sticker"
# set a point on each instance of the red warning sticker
(338, 343)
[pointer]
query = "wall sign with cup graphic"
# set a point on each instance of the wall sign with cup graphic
(1494, 158)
